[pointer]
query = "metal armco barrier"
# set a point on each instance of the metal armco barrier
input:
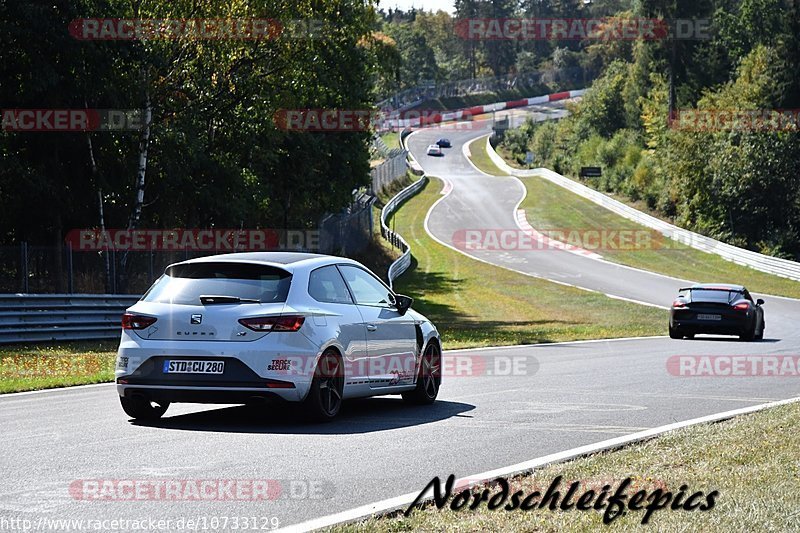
(404, 261)
(56, 317)
(764, 263)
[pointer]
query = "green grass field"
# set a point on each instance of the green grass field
(44, 366)
(550, 207)
(752, 461)
(392, 139)
(476, 304)
(480, 158)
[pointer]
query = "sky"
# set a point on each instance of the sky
(427, 5)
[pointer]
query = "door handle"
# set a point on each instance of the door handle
(372, 327)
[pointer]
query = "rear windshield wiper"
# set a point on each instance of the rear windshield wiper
(215, 299)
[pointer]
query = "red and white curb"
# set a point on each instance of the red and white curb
(547, 242)
(469, 112)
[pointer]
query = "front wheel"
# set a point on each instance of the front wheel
(140, 408)
(429, 377)
(324, 400)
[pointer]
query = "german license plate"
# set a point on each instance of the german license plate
(702, 316)
(194, 367)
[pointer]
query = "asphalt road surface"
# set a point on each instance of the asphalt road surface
(560, 397)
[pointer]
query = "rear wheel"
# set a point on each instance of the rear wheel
(142, 409)
(760, 335)
(324, 400)
(749, 332)
(674, 333)
(429, 377)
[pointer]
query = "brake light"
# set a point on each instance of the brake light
(678, 303)
(131, 321)
(273, 323)
(741, 306)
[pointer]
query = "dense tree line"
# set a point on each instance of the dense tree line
(433, 46)
(212, 156)
(737, 183)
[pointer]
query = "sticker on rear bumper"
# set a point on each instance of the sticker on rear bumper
(194, 367)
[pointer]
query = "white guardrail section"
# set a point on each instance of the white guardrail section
(764, 263)
(61, 317)
(402, 263)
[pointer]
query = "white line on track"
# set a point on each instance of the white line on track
(399, 502)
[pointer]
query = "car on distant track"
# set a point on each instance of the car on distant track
(434, 150)
(253, 327)
(443, 143)
(716, 308)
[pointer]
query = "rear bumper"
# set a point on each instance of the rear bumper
(237, 384)
(721, 327)
(226, 395)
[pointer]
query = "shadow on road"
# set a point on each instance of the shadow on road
(357, 416)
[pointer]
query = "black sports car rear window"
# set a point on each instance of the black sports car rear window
(185, 283)
(720, 296)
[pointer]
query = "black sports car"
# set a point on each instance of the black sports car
(443, 143)
(716, 308)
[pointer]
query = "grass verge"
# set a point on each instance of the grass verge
(480, 158)
(392, 139)
(550, 207)
(751, 460)
(475, 304)
(33, 367)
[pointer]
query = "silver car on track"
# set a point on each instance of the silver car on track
(261, 326)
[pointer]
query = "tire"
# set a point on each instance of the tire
(760, 335)
(139, 408)
(749, 333)
(324, 400)
(429, 377)
(674, 333)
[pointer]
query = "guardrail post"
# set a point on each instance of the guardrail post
(70, 281)
(113, 271)
(23, 267)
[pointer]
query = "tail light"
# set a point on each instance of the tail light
(132, 321)
(273, 323)
(741, 306)
(678, 303)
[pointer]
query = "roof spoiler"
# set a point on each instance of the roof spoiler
(725, 289)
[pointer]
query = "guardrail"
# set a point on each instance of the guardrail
(402, 263)
(54, 317)
(764, 263)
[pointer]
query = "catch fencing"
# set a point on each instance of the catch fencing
(388, 172)
(538, 81)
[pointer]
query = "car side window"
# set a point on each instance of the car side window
(326, 285)
(366, 289)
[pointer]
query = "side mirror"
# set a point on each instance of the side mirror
(759, 302)
(403, 303)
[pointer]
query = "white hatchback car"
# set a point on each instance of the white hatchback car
(253, 327)
(434, 150)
